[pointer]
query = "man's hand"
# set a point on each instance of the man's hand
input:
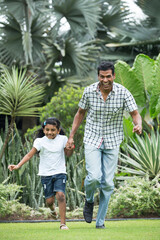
(137, 129)
(137, 120)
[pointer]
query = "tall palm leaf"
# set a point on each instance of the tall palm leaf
(115, 14)
(19, 96)
(42, 20)
(70, 50)
(138, 36)
(22, 32)
(75, 57)
(80, 14)
(20, 45)
(151, 9)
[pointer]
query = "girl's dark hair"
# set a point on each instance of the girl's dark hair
(52, 121)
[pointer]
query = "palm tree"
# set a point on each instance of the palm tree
(33, 34)
(134, 37)
(19, 96)
(22, 32)
(28, 24)
(64, 38)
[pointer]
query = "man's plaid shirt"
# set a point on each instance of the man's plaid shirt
(104, 120)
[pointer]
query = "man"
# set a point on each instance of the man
(104, 102)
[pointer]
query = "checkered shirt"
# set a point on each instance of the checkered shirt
(104, 120)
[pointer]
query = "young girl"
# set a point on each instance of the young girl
(52, 169)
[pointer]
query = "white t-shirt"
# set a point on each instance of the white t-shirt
(52, 157)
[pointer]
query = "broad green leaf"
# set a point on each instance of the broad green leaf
(155, 93)
(127, 77)
(143, 68)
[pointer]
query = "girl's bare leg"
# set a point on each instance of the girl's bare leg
(62, 206)
(50, 203)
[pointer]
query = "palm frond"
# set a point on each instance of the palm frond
(75, 57)
(150, 8)
(19, 94)
(79, 13)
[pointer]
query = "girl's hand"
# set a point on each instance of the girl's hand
(70, 143)
(69, 150)
(70, 147)
(13, 167)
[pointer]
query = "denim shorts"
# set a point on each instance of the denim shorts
(53, 184)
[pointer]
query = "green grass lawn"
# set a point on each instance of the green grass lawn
(115, 230)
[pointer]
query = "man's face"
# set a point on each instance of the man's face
(106, 79)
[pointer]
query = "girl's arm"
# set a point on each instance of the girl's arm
(25, 159)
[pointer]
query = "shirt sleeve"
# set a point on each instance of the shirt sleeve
(83, 103)
(129, 103)
(37, 144)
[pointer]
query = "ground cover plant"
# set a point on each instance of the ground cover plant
(121, 230)
(136, 197)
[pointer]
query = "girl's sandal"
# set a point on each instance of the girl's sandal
(63, 227)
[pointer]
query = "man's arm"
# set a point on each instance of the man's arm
(76, 123)
(137, 120)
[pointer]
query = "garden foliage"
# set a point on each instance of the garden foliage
(143, 81)
(11, 208)
(26, 176)
(63, 105)
(142, 156)
(8, 195)
(138, 197)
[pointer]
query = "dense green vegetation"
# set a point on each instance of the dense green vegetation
(56, 46)
(139, 155)
(62, 41)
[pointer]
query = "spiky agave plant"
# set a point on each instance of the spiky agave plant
(143, 157)
(20, 95)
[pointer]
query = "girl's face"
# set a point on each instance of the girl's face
(50, 131)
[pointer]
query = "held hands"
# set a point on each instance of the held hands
(70, 144)
(13, 167)
(137, 129)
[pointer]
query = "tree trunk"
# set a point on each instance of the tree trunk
(10, 129)
(28, 122)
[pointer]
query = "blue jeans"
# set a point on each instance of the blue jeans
(101, 166)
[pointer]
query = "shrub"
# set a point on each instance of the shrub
(137, 197)
(64, 106)
(8, 194)
(11, 208)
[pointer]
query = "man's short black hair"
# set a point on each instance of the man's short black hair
(105, 66)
